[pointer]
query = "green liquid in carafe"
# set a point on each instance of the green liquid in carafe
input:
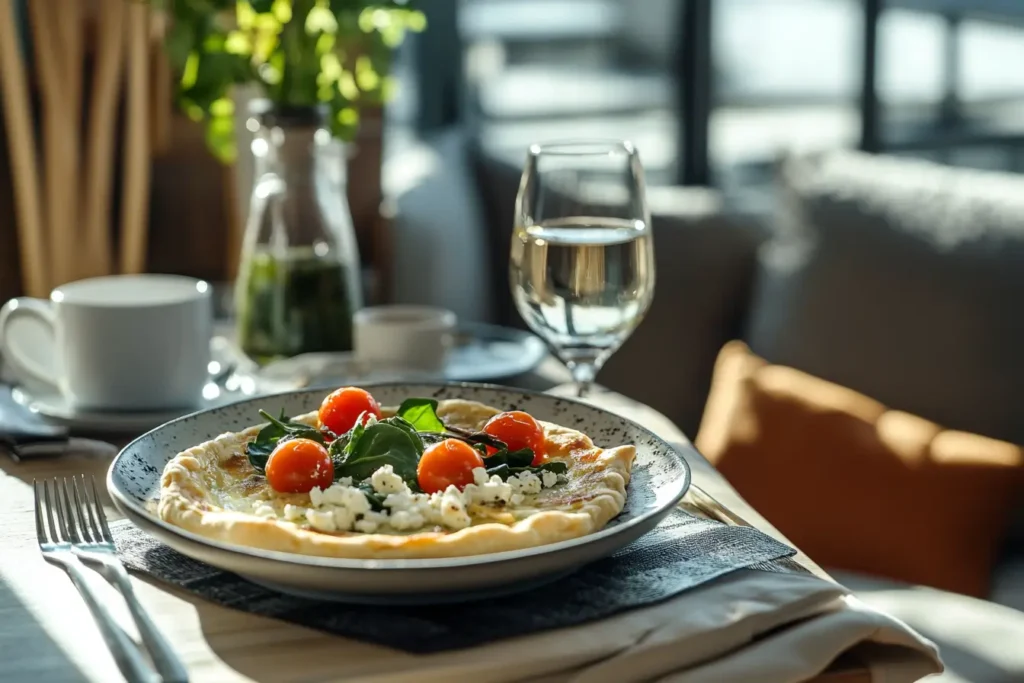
(291, 302)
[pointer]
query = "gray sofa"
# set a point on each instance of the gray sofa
(900, 279)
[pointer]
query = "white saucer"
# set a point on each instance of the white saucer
(55, 408)
(481, 353)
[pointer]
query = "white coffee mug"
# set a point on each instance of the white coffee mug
(121, 342)
(404, 336)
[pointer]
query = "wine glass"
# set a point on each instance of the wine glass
(582, 259)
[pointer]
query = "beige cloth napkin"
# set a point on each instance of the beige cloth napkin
(749, 626)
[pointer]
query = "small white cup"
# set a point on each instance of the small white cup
(404, 336)
(121, 342)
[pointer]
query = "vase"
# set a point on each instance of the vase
(299, 278)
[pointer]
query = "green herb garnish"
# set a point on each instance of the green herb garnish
(276, 430)
(421, 413)
(367, 449)
(507, 464)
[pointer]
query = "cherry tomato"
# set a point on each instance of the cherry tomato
(518, 430)
(449, 462)
(342, 408)
(298, 465)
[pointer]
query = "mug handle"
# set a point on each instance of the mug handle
(22, 363)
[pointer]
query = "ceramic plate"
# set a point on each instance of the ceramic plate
(660, 478)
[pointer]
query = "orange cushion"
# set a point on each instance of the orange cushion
(854, 484)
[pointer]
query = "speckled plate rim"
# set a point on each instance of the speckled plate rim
(129, 507)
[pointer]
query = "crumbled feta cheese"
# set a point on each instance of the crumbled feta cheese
(385, 481)
(548, 479)
(493, 490)
(344, 518)
(294, 513)
(316, 496)
(453, 509)
(344, 481)
(517, 499)
(416, 504)
(370, 521)
(265, 510)
(403, 520)
(344, 504)
(321, 520)
(479, 476)
(355, 500)
(525, 483)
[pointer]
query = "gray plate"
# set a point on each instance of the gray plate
(660, 479)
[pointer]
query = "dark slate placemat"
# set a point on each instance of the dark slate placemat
(683, 552)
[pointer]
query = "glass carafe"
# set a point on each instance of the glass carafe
(299, 281)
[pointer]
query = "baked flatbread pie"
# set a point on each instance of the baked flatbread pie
(426, 479)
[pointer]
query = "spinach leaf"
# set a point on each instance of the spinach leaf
(421, 413)
(521, 458)
(507, 463)
(276, 430)
(343, 444)
(403, 424)
(504, 471)
(474, 438)
(378, 445)
(376, 499)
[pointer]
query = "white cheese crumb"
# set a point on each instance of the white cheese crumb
(525, 483)
(370, 521)
(403, 520)
(453, 509)
(344, 481)
(355, 500)
(517, 499)
(265, 510)
(343, 518)
(492, 491)
(385, 481)
(479, 476)
(548, 479)
(316, 496)
(294, 513)
(321, 520)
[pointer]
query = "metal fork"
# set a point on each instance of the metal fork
(56, 549)
(95, 547)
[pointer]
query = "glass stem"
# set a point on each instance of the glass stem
(584, 374)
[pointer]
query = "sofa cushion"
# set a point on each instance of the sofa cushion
(854, 484)
(901, 279)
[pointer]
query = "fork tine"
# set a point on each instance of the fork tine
(79, 512)
(107, 536)
(94, 528)
(38, 499)
(61, 522)
(69, 512)
(54, 536)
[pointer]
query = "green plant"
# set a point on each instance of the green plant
(303, 53)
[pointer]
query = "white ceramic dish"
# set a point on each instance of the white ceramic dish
(56, 409)
(660, 479)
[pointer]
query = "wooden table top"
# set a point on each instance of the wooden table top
(47, 634)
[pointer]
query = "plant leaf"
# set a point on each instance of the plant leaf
(276, 430)
(409, 429)
(376, 499)
(378, 445)
(421, 413)
(504, 471)
(516, 459)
